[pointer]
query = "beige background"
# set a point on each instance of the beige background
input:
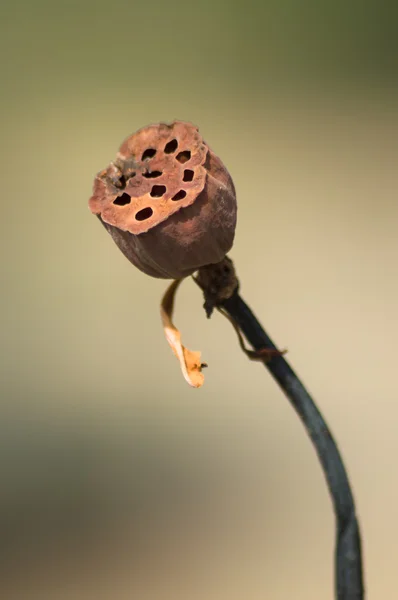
(117, 480)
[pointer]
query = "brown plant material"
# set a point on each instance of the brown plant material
(218, 283)
(191, 365)
(169, 204)
(167, 201)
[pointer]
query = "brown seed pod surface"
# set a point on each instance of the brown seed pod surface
(167, 200)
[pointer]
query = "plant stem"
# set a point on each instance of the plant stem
(348, 560)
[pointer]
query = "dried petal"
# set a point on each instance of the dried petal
(191, 365)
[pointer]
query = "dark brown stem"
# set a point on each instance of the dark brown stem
(348, 558)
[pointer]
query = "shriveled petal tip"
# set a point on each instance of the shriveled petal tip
(190, 362)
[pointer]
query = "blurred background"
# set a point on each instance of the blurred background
(117, 480)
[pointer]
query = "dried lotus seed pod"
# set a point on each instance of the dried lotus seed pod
(167, 200)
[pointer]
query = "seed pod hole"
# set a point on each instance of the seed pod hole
(158, 191)
(152, 174)
(118, 181)
(122, 200)
(115, 176)
(171, 147)
(179, 195)
(188, 175)
(148, 153)
(144, 214)
(183, 156)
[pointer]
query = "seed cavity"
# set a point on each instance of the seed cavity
(148, 153)
(183, 156)
(171, 147)
(152, 174)
(144, 214)
(188, 175)
(179, 195)
(118, 181)
(122, 200)
(158, 191)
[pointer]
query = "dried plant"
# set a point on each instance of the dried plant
(169, 204)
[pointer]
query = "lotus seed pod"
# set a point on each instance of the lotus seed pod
(167, 201)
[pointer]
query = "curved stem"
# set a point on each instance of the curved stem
(348, 560)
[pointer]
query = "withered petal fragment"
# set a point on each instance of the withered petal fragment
(191, 365)
(260, 354)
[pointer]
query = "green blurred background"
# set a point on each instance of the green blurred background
(118, 481)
